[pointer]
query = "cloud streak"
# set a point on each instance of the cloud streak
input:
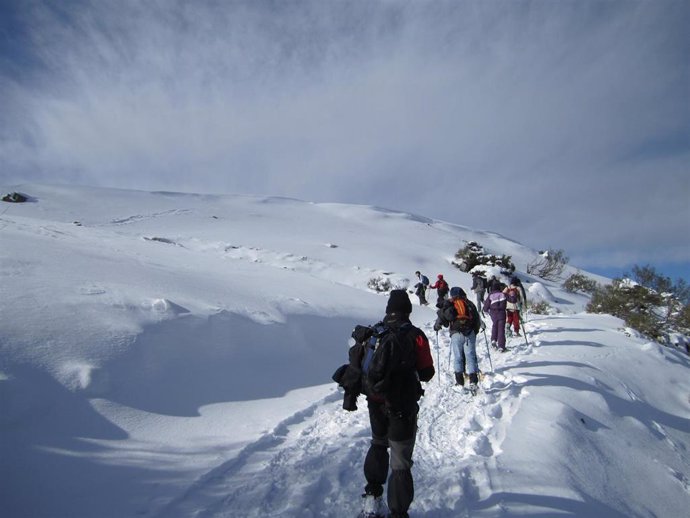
(560, 124)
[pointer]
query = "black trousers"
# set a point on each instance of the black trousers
(397, 432)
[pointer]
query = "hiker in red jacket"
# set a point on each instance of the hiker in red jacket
(441, 287)
(514, 304)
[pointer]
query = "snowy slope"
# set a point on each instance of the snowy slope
(168, 354)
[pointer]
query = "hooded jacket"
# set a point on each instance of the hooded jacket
(495, 304)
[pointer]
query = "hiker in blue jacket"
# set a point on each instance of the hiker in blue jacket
(420, 288)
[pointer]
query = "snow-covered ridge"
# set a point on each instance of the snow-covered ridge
(166, 354)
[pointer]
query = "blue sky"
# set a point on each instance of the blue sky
(559, 124)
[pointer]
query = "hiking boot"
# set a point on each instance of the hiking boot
(494, 344)
(459, 379)
(503, 350)
(473, 388)
(373, 507)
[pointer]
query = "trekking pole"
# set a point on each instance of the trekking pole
(488, 352)
(522, 324)
(438, 359)
(450, 351)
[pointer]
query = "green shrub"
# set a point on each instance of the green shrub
(380, 284)
(655, 315)
(579, 283)
(473, 254)
(540, 308)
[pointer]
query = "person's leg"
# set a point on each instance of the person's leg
(516, 322)
(470, 349)
(376, 460)
(495, 324)
(456, 345)
(501, 339)
(400, 482)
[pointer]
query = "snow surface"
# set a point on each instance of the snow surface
(169, 355)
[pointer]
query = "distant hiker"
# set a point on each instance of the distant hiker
(514, 303)
(441, 287)
(461, 317)
(495, 283)
(479, 285)
(495, 305)
(420, 288)
(387, 363)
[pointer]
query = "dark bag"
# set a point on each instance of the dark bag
(382, 366)
(349, 376)
(392, 375)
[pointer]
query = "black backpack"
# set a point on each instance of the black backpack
(383, 366)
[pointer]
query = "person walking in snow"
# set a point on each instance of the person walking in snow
(461, 317)
(514, 303)
(441, 287)
(495, 305)
(517, 282)
(389, 374)
(479, 285)
(420, 288)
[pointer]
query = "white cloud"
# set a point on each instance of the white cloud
(440, 108)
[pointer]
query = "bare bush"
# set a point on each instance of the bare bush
(549, 265)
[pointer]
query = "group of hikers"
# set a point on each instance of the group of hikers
(503, 304)
(388, 361)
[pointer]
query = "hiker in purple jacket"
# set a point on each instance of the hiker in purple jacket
(495, 305)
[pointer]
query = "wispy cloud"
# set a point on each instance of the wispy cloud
(557, 123)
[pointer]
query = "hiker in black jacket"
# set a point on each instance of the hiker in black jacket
(390, 376)
(420, 288)
(479, 285)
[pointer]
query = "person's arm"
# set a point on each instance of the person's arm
(425, 362)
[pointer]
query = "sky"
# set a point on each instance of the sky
(497, 115)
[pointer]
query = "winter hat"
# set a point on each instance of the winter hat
(440, 276)
(399, 302)
(456, 293)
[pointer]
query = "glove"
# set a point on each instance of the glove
(437, 327)
(350, 402)
(483, 326)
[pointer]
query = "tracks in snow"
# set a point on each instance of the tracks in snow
(310, 465)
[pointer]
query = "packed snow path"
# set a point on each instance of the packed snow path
(311, 464)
